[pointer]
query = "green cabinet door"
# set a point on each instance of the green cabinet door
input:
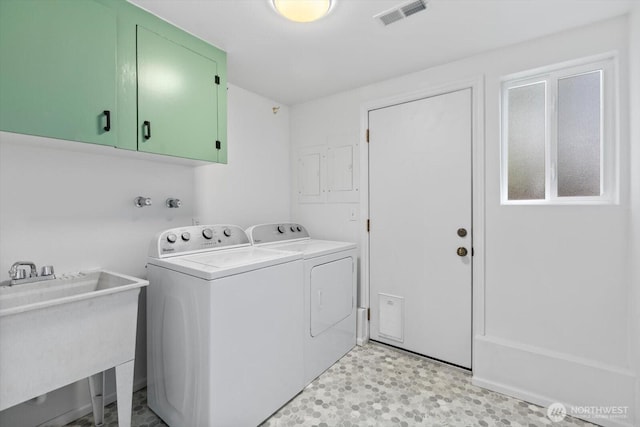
(177, 99)
(58, 69)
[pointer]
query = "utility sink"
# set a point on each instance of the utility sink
(66, 288)
(59, 331)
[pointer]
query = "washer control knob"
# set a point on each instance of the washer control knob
(298, 228)
(281, 229)
(207, 233)
(186, 236)
(227, 232)
(293, 229)
(171, 238)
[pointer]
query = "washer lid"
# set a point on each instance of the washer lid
(314, 248)
(217, 264)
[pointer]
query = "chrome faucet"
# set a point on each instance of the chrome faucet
(14, 272)
(18, 275)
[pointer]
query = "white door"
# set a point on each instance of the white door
(420, 209)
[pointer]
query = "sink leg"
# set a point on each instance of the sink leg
(124, 390)
(96, 387)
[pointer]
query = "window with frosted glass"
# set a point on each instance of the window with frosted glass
(526, 141)
(579, 135)
(559, 141)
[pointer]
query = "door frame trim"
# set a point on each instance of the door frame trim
(476, 84)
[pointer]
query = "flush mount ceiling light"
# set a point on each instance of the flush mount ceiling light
(302, 10)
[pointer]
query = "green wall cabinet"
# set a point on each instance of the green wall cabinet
(98, 70)
(177, 99)
(58, 69)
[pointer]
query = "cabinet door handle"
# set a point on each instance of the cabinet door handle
(107, 114)
(146, 127)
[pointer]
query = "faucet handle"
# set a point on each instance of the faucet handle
(47, 270)
(20, 273)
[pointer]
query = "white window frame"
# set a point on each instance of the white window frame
(609, 188)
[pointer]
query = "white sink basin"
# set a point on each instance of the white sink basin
(64, 289)
(59, 331)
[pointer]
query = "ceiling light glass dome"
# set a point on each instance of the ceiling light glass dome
(302, 10)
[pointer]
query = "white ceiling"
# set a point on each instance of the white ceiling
(293, 63)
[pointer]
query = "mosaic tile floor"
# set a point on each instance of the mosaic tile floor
(376, 385)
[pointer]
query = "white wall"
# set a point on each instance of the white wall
(71, 205)
(255, 186)
(634, 113)
(557, 282)
(314, 124)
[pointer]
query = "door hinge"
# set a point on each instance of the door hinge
(472, 252)
(367, 135)
(218, 145)
(217, 79)
(368, 225)
(368, 313)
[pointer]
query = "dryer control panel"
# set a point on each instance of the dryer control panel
(270, 233)
(197, 238)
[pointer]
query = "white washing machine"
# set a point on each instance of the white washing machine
(330, 293)
(224, 334)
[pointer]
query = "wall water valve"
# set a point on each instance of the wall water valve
(173, 203)
(142, 201)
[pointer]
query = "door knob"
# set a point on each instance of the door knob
(462, 251)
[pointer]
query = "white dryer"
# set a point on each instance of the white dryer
(224, 336)
(330, 293)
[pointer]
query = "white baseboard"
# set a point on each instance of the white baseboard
(542, 377)
(80, 412)
(362, 341)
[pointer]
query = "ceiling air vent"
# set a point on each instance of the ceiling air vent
(390, 17)
(413, 7)
(400, 12)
